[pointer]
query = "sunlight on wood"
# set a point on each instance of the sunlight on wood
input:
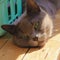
(56, 37)
(49, 52)
(20, 57)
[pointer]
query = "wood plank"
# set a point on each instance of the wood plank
(49, 52)
(2, 42)
(12, 52)
(4, 39)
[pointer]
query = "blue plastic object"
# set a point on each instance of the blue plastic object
(9, 11)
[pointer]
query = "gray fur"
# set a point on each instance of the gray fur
(37, 13)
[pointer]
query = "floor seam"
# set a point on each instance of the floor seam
(25, 53)
(3, 44)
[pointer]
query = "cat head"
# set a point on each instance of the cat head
(24, 25)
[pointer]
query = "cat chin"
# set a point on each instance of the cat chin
(41, 44)
(30, 44)
(33, 43)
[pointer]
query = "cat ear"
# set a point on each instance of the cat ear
(9, 28)
(32, 7)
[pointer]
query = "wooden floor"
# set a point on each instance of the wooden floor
(51, 51)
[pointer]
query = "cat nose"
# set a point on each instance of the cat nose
(41, 37)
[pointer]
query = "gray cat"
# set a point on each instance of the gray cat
(35, 26)
(56, 3)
